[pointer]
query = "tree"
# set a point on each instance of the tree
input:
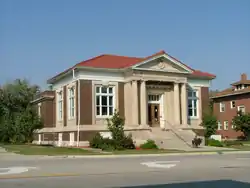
(241, 123)
(210, 123)
(18, 119)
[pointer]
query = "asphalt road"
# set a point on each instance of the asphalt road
(171, 172)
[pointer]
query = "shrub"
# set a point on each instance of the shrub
(242, 123)
(127, 142)
(233, 143)
(119, 140)
(215, 143)
(97, 141)
(149, 144)
(210, 123)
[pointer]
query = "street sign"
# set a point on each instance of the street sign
(15, 170)
(160, 164)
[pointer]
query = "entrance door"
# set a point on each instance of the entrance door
(154, 115)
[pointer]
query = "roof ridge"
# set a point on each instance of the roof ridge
(123, 56)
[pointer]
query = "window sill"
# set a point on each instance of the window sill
(102, 117)
(193, 118)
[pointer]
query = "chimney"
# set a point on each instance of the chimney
(243, 77)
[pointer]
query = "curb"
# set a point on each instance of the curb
(146, 155)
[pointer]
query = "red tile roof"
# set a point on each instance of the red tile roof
(231, 91)
(108, 61)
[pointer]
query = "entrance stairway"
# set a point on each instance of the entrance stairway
(173, 137)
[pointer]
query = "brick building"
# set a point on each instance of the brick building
(228, 102)
(154, 93)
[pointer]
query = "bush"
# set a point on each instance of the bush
(150, 144)
(215, 143)
(127, 142)
(233, 143)
(119, 140)
(242, 123)
(210, 123)
(97, 141)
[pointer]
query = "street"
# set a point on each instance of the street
(232, 170)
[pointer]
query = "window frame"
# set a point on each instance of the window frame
(60, 106)
(231, 104)
(99, 95)
(221, 106)
(39, 110)
(72, 102)
(219, 126)
(225, 123)
(241, 106)
(194, 106)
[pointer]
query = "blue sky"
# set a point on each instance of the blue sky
(41, 38)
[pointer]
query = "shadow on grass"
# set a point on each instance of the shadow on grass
(202, 184)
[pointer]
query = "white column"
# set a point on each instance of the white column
(135, 103)
(184, 104)
(177, 103)
(143, 103)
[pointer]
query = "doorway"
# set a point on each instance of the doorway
(154, 115)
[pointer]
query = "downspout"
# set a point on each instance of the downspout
(78, 121)
(78, 102)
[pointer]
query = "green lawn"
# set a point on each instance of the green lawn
(46, 150)
(50, 150)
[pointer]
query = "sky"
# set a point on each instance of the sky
(40, 38)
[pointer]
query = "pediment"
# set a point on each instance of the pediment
(162, 64)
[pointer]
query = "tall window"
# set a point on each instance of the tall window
(232, 104)
(60, 105)
(241, 109)
(71, 102)
(219, 125)
(222, 107)
(225, 125)
(192, 103)
(104, 101)
(39, 109)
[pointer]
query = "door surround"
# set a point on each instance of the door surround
(154, 97)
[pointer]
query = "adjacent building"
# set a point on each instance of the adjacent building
(157, 91)
(228, 102)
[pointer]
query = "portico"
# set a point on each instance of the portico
(156, 103)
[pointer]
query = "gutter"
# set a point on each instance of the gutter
(61, 75)
(232, 94)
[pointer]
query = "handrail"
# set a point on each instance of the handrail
(176, 134)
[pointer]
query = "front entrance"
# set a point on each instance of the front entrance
(154, 114)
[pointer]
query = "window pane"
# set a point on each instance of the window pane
(110, 100)
(189, 103)
(110, 90)
(97, 100)
(190, 112)
(195, 112)
(104, 101)
(195, 104)
(97, 89)
(98, 110)
(190, 93)
(194, 94)
(111, 111)
(104, 111)
(104, 89)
